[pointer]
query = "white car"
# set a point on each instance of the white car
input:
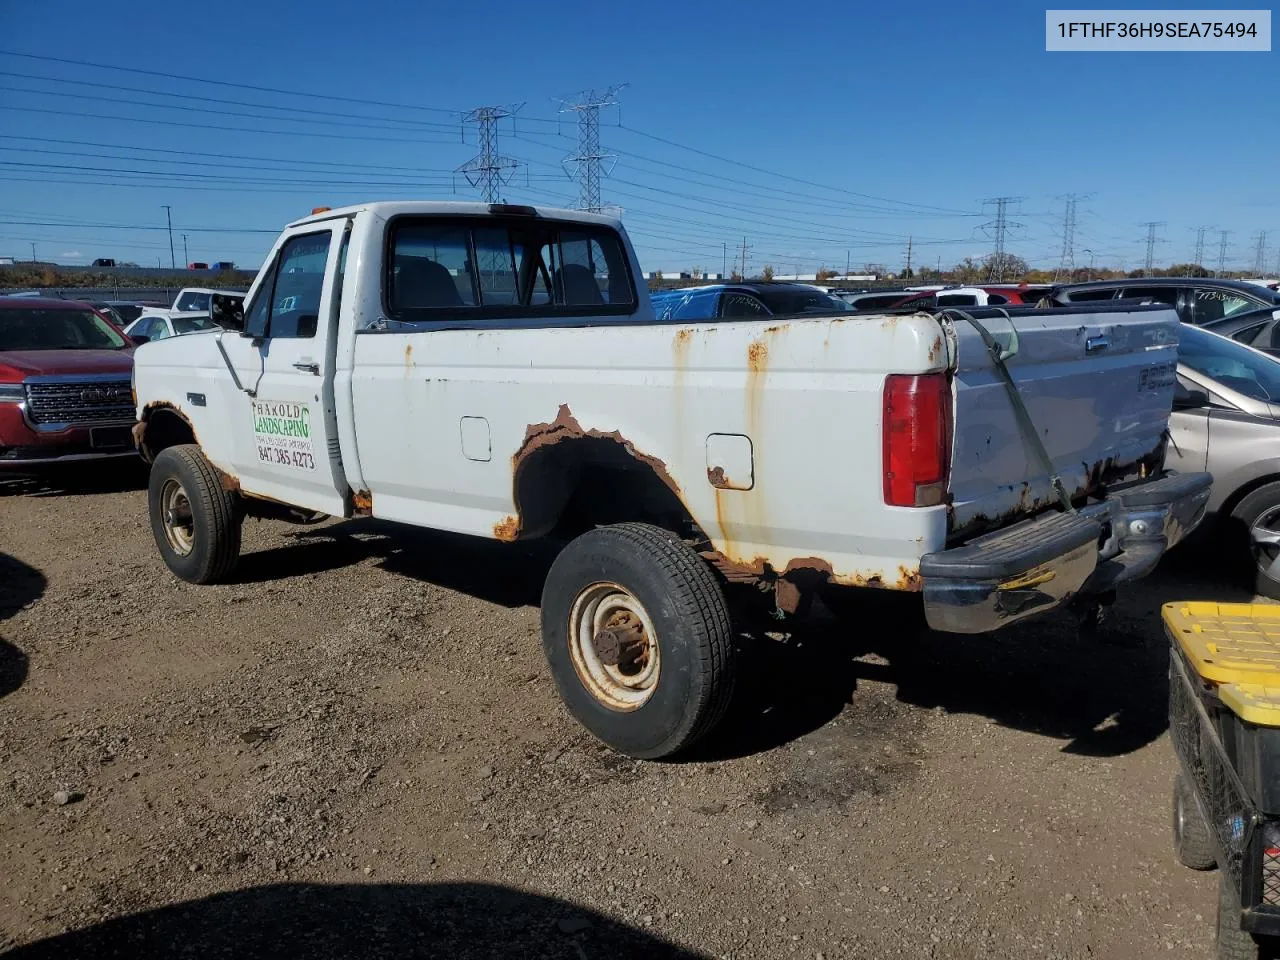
(157, 326)
(497, 370)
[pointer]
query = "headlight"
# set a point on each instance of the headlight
(12, 393)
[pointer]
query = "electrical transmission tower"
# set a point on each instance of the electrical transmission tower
(1222, 252)
(589, 164)
(1067, 266)
(1152, 226)
(1198, 259)
(489, 170)
(1260, 257)
(998, 229)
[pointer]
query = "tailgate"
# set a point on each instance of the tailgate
(1098, 384)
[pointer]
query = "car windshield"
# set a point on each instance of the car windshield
(50, 329)
(128, 311)
(784, 301)
(191, 324)
(192, 301)
(1231, 364)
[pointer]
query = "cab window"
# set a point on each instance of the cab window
(287, 304)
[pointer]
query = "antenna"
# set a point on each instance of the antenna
(488, 170)
(587, 164)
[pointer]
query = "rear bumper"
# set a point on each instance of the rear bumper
(1036, 565)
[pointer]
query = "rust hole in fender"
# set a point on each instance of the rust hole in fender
(362, 501)
(507, 529)
(716, 477)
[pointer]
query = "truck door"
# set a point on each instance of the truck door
(286, 439)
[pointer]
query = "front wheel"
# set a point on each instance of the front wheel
(637, 634)
(195, 521)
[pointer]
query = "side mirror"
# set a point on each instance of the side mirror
(139, 339)
(1184, 399)
(226, 311)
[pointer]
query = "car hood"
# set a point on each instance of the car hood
(27, 363)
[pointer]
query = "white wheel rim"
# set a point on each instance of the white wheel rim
(175, 517)
(629, 683)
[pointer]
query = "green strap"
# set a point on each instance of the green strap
(1025, 423)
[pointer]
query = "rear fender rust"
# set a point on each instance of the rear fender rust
(362, 502)
(543, 437)
(809, 572)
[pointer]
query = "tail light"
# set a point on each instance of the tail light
(917, 439)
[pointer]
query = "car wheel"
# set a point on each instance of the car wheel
(637, 634)
(1259, 514)
(195, 521)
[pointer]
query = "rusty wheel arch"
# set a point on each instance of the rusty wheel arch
(162, 425)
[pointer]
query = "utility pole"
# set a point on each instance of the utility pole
(999, 228)
(1152, 239)
(588, 162)
(169, 219)
(1222, 251)
(1090, 253)
(1260, 257)
(488, 170)
(1198, 259)
(186, 257)
(33, 251)
(1067, 265)
(846, 265)
(724, 261)
(744, 258)
(907, 272)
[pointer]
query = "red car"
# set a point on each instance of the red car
(65, 392)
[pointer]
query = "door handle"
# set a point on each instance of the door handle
(306, 367)
(1092, 344)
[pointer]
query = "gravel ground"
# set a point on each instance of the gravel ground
(355, 750)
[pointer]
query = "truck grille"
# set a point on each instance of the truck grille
(80, 401)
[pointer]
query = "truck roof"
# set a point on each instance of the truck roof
(455, 208)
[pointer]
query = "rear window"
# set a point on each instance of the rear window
(1085, 296)
(37, 329)
(192, 301)
(789, 301)
(191, 324)
(490, 268)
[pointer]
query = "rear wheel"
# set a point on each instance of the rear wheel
(637, 634)
(1191, 841)
(1259, 514)
(195, 522)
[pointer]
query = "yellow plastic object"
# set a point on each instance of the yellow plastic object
(1254, 702)
(1228, 643)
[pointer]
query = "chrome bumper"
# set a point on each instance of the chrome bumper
(1036, 565)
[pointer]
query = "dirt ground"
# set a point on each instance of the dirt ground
(355, 750)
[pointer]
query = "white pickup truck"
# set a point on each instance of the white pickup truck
(498, 371)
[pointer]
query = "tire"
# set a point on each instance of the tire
(1234, 943)
(1261, 509)
(1191, 841)
(184, 485)
(673, 681)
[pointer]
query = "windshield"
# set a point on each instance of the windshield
(192, 301)
(784, 301)
(129, 312)
(191, 324)
(42, 329)
(1231, 364)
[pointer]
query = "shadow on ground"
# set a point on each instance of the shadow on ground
(83, 479)
(1102, 696)
(318, 922)
(507, 574)
(20, 585)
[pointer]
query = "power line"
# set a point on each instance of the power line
(488, 169)
(1222, 252)
(588, 163)
(227, 83)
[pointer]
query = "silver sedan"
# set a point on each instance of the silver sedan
(1226, 419)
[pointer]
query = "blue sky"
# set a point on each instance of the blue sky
(852, 128)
